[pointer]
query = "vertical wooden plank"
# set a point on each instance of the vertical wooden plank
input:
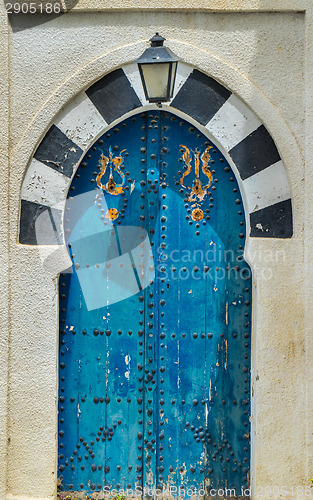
(151, 366)
(185, 322)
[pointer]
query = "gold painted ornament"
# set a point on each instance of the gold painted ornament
(197, 190)
(197, 214)
(114, 163)
(111, 187)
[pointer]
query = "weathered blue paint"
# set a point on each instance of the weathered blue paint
(155, 388)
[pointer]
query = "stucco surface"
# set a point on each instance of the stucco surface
(261, 58)
(4, 292)
(267, 48)
(179, 5)
(279, 359)
(214, 5)
(308, 221)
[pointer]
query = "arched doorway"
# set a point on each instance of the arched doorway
(155, 323)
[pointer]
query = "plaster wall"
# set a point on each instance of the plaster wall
(260, 56)
(4, 282)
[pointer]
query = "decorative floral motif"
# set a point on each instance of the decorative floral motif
(197, 191)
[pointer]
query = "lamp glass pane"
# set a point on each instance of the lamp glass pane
(156, 79)
(173, 74)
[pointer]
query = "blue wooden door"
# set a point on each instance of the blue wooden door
(155, 316)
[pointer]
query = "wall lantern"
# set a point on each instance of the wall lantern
(157, 67)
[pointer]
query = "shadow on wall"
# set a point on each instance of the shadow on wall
(40, 16)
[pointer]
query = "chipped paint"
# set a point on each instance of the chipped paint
(259, 226)
(226, 354)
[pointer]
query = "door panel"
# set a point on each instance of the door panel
(154, 315)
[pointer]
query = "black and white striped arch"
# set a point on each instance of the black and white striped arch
(225, 116)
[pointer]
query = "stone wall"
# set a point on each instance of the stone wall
(264, 57)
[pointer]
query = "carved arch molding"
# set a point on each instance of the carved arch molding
(230, 122)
